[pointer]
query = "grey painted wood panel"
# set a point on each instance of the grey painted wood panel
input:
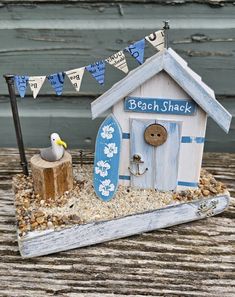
(216, 3)
(32, 45)
(68, 116)
(35, 42)
(73, 114)
(50, 10)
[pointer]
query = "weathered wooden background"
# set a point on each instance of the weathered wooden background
(43, 37)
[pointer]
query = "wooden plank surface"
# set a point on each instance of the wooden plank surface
(217, 3)
(48, 36)
(45, 38)
(73, 114)
(40, 243)
(195, 259)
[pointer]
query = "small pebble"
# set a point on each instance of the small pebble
(35, 213)
(212, 190)
(74, 218)
(34, 225)
(40, 220)
(205, 192)
(50, 225)
(39, 214)
(26, 203)
(42, 202)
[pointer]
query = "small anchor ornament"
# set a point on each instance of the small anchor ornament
(136, 161)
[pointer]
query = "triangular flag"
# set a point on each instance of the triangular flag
(97, 70)
(57, 82)
(35, 83)
(75, 77)
(118, 60)
(137, 50)
(156, 39)
(21, 84)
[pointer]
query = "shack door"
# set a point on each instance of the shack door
(154, 154)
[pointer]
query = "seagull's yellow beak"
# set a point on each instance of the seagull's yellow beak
(61, 142)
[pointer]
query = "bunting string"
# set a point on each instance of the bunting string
(96, 69)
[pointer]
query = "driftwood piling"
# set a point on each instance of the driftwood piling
(52, 179)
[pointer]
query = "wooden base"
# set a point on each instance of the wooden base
(52, 179)
(38, 243)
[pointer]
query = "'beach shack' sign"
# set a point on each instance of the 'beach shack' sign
(157, 105)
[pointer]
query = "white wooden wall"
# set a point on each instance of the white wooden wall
(190, 158)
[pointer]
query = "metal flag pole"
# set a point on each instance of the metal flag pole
(11, 89)
(166, 28)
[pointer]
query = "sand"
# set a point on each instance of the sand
(81, 205)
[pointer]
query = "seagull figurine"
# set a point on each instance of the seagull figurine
(56, 151)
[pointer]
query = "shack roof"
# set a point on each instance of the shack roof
(169, 61)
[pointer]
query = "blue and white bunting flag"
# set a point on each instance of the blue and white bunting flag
(35, 83)
(97, 70)
(157, 39)
(75, 77)
(118, 60)
(137, 50)
(57, 82)
(21, 84)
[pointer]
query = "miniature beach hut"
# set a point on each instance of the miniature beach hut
(152, 139)
(156, 129)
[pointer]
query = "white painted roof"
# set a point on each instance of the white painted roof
(178, 69)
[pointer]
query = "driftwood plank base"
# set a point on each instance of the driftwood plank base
(52, 179)
(38, 243)
(187, 260)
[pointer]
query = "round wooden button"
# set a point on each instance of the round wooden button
(155, 134)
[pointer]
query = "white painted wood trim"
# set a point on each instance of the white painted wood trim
(197, 91)
(193, 74)
(128, 84)
(38, 243)
(176, 67)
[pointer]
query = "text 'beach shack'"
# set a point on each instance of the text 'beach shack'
(154, 136)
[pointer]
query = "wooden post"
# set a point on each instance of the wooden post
(166, 28)
(52, 179)
(19, 137)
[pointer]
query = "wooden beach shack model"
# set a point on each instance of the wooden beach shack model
(161, 109)
(148, 154)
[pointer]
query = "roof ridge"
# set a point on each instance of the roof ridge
(192, 72)
(181, 73)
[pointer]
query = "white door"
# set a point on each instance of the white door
(157, 166)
